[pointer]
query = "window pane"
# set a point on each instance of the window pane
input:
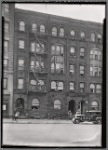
(72, 86)
(6, 46)
(72, 33)
(20, 83)
(57, 104)
(35, 104)
(34, 27)
(93, 37)
(21, 26)
(5, 83)
(42, 29)
(53, 85)
(21, 44)
(54, 31)
(33, 82)
(60, 85)
(33, 47)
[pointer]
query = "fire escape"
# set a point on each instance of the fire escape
(39, 87)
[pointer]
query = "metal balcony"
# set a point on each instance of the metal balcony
(38, 70)
(44, 53)
(37, 88)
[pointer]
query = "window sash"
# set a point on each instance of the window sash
(72, 86)
(6, 46)
(21, 26)
(5, 82)
(21, 44)
(20, 83)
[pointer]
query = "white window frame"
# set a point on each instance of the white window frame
(21, 26)
(57, 104)
(72, 86)
(61, 34)
(54, 31)
(20, 64)
(20, 83)
(21, 44)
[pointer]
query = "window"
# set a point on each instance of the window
(34, 27)
(60, 86)
(99, 55)
(35, 104)
(36, 47)
(82, 87)
(6, 46)
(82, 70)
(94, 105)
(20, 83)
(21, 26)
(72, 69)
(54, 31)
(72, 51)
(99, 37)
(96, 55)
(21, 64)
(57, 86)
(4, 107)
(21, 44)
(93, 37)
(37, 65)
(72, 86)
(42, 28)
(98, 88)
(6, 8)
(37, 85)
(95, 62)
(5, 63)
(92, 88)
(6, 27)
(82, 51)
(33, 82)
(72, 32)
(91, 54)
(82, 35)
(5, 82)
(57, 59)
(91, 71)
(61, 32)
(57, 104)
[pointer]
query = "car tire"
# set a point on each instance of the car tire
(77, 121)
(99, 121)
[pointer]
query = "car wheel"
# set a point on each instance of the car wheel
(99, 121)
(77, 121)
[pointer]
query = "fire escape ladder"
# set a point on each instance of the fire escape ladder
(40, 66)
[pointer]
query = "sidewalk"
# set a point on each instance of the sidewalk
(37, 121)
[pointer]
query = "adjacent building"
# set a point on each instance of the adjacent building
(56, 63)
(7, 52)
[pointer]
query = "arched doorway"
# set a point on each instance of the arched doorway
(81, 106)
(71, 106)
(19, 105)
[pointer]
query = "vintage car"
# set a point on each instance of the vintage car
(89, 116)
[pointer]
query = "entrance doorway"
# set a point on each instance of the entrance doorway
(71, 106)
(19, 105)
(81, 106)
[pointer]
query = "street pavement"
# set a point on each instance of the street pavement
(50, 133)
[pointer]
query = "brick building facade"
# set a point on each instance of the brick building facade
(62, 74)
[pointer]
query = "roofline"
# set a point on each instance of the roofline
(66, 18)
